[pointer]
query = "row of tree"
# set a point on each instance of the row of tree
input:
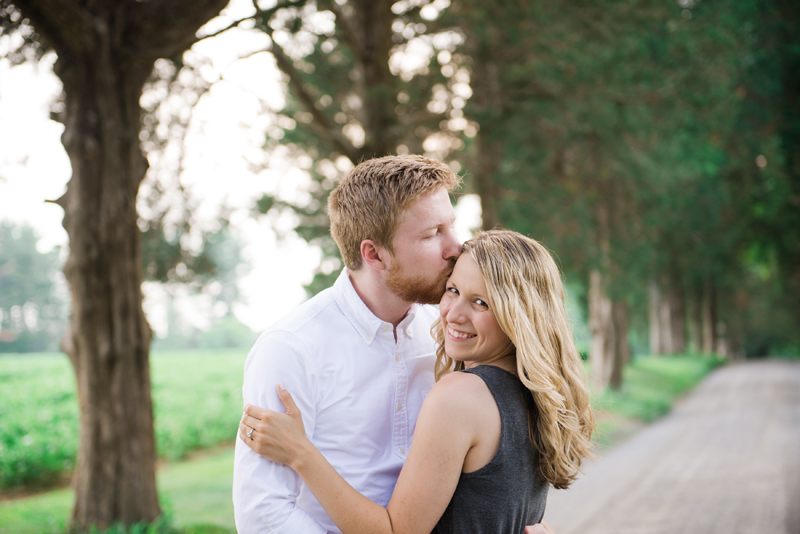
(653, 147)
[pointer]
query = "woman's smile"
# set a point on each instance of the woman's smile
(458, 335)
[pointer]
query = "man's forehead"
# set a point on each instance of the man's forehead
(428, 214)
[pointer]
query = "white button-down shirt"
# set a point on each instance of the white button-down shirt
(360, 393)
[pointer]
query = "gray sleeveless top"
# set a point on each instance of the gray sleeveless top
(506, 494)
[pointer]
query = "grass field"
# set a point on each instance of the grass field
(195, 494)
(198, 404)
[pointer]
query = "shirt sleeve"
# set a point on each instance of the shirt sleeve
(264, 492)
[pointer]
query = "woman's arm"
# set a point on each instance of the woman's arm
(447, 427)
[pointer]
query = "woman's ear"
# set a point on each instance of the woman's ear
(373, 255)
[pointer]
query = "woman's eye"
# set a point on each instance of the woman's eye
(453, 290)
(481, 303)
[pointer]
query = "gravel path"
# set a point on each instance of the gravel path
(726, 460)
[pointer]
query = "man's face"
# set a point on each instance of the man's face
(425, 250)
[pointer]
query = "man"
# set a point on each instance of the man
(358, 358)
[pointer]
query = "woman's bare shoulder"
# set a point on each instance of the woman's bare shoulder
(459, 391)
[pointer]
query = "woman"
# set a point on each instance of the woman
(491, 438)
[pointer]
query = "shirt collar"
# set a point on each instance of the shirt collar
(365, 322)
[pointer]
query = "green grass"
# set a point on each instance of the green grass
(195, 494)
(196, 396)
(650, 386)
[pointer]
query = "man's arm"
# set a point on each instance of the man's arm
(265, 493)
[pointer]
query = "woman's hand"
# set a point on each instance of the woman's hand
(280, 437)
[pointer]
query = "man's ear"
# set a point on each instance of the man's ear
(374, 255)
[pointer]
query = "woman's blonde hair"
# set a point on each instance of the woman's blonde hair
(526, 294)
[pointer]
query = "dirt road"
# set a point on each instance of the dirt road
(726, 460)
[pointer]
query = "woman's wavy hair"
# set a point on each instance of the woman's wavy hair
(526, 294)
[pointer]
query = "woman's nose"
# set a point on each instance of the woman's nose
(455, 313)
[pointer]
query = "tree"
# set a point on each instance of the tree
(32, 313)
(351, 96)
(105, 55)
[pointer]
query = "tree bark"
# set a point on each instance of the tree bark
(487, 100)
(108, 338)
(373, 20)
(677, 318)
(487, 162)
(695, 324)
(601, 324)
(665, 325)
(654, 316)
(487, 106)
(708, 317)
(622, 349)
(105, 53)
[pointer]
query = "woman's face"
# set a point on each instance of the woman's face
(471, 332)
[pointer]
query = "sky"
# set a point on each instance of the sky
(226, 136)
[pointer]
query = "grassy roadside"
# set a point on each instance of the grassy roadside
(196, 493)
(650, 386)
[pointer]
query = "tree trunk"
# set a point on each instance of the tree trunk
(487, 162)
(695, 324)
(105, 53)
(108, 339)
(373, 31)
(486, 105)
(601, 324)
(654, 316)
(708, 317)
(665, 325)
(622, 349)
(677, 319)
(721, 346)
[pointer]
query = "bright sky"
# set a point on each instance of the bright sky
(227, 133)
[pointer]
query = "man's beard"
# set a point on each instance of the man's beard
(417, 288)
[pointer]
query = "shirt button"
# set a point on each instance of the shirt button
(402, 451)
(396, 358)
(399, 406)
(385, 327)
(410, 333)
(367, 337)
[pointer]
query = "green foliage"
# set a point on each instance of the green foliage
(344, 102)
(196, 397)
(32, 301)
(633, 138)
(651, 385)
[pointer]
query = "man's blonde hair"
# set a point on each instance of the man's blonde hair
(370, 200)
(526, 295)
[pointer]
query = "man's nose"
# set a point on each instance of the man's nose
(452, 247)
